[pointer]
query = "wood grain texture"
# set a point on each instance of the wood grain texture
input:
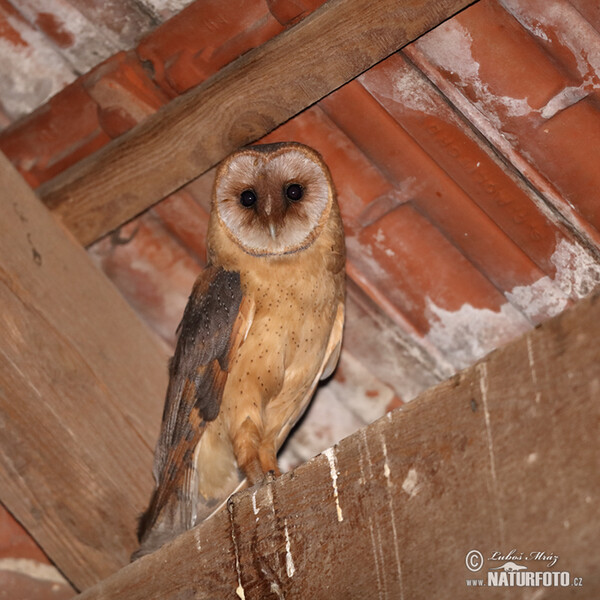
(240, 104)
(82, 383)
(502, 456)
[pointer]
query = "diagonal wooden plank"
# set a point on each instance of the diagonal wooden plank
(504, 456)
(82, 383)
(240, 104)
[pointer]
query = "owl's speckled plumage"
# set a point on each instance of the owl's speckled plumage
(262, 327)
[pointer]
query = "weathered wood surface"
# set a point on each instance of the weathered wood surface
(238, 105)
(81, 390)
(503, 456)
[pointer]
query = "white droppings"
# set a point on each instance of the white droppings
(467, 334)
(409, 485)
(483, 386)
(449, 47)
(387, 473)
(405, 87)
(538, 394)
(577, 274)
(31, 71)
(386, 466)
(569, 28)
(289, 559)
(90, 43)
(255, 509)
(330, 454)
(379, 236)
(277, 590)
(376, 550)
(531, 361)
(566, 97)
(542, 299)
(166, 8)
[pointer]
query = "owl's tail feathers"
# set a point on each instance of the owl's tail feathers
(177, 516)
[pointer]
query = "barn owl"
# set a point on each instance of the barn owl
(262, 326)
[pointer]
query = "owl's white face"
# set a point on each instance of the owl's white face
(273, 199)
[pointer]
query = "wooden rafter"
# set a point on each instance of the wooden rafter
(81, 391)
(503, 456)
(240, 104)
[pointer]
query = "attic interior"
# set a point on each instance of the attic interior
(462, 140)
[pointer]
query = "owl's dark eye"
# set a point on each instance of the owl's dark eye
(248, 198)
(294, 192)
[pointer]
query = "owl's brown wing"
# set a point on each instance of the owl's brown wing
(214, 324)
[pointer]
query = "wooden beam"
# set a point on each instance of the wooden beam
(241, 103)
(503, 456)
(82, 384)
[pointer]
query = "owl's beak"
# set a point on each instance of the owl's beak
(272, 229)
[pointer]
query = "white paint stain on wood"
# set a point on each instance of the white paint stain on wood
(330, 454)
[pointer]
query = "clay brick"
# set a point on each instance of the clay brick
(497, 63)
(187, 220)
(389, 146)
(124, 22)
(590, 10)
(565, 150)
(15, 542)
(8, 32)
(421, 110)
(408, 258)
(55, 136)
(82, 118)
(124, 93)
(204, 37)
(153, 272)
(532, 101)
(31, 65)
(22, 560)
(567, 36)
